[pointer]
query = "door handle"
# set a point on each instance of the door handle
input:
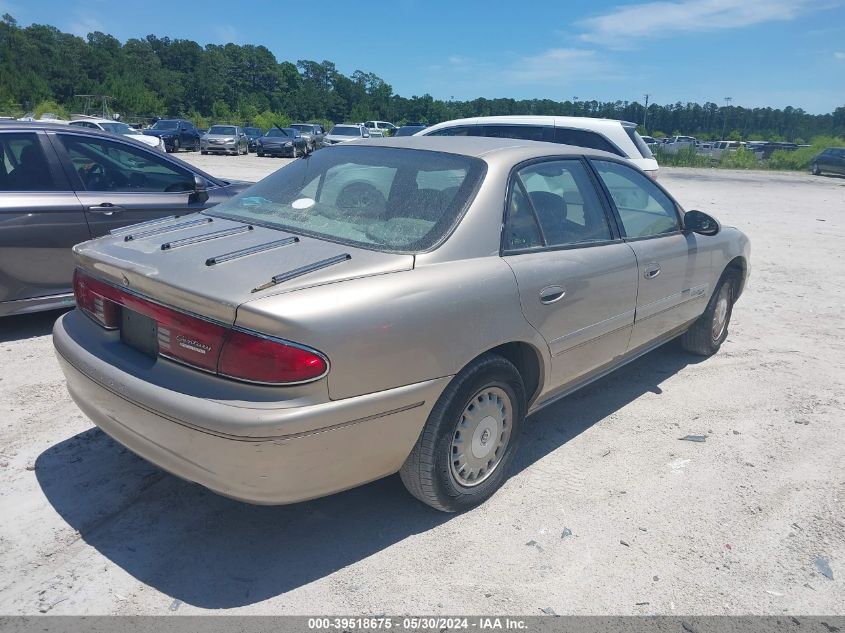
(651, 271)
(106, 208)
(551, 294)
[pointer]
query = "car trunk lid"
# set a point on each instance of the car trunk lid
(209, 266)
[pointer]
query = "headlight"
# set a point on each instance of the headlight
(288, 144)
(229, 140)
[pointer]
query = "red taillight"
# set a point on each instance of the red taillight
(256, 359)
(92, 296)
(200, 343)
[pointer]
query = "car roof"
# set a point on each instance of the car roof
(536, 119)
(484, 146)
(91, 119)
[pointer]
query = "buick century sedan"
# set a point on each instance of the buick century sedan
(387, 306)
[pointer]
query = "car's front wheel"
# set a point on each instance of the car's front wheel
(816, 171)
(707, 334)
(464, 451)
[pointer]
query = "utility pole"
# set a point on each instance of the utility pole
(645, 113)
(725, 119)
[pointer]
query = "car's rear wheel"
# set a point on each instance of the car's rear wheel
(260, 154)
(464, 451)
(707, 334)
(176, 145)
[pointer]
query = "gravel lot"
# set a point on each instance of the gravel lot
(607, 511)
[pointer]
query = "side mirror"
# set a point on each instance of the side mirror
(200, 189)
(701, 223)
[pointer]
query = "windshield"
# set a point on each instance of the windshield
(381, 198)
(223, 130)
(409, 130)
(302, 127)
(346, 130)
(253, 131)
(644, 149)
(276, 131)
(118, 128)
(166, 125)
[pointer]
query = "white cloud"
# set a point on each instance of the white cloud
(840, 55)
(558, 65)
(620, 27)
(85, 24)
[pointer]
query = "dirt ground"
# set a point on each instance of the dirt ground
(607, 511)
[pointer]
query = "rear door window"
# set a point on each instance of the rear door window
(563, 201)
(23, 165)
(525, 132)
(585, 138)
(459, 130)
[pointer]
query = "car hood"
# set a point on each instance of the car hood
(219, 137)
(143, 138)
(161, 261)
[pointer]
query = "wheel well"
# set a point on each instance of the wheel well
(737, 267)
(527, 360)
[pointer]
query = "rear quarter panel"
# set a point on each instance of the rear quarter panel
(400, 328)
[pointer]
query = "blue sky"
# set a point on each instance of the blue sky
(759, 52)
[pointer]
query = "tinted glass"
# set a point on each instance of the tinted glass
(166, 125)
(23, 166)
(521, 230)
(565, 202)
(253, 131)
(643, 207)
(584, 138)
(277, 132)
(388, 199)
(225, 130)
(525, 132)
(639, 141)
(107, 166)
(408, 130)
(346, 130)
(459, 130)
(118, 128)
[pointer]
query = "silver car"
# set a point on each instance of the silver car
(387, 306)
(224, 139)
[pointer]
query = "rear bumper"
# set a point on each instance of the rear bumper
(260, 451)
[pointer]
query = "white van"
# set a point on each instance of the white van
(609, 135)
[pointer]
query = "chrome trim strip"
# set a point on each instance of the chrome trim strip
(668, 303)
(303, 270)
(260, 248)
(167, 229)
(186, 241)
(132, 227)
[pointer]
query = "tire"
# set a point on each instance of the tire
(260, 154)
(816, 171)
(295, 152)
(175, 145)
(440, 476)
(710, 330)
(203, 152)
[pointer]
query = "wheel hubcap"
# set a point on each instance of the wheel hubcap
(720, 318)
(481, 437)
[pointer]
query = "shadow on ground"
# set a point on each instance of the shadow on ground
(21, 326)
(213, 552)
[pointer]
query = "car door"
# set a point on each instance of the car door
(120, 183)
(674, 274)
(577, 280)
(839, 161)
(40, 220)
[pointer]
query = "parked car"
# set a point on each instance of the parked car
(63, 184)
(650, 141)
(116, 127)
(252, 135)
(224, 139)
(369, 311)
(282, 141)
(313, 133)
(409, 130)
(386, 128)
(344, 133)
(616, 137)
(176, 133)
(831, 161)
(674, 144)
(718, 148)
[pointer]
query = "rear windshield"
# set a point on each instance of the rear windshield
(645, 150)
(222, 129)
(382, 198)
(346, 130)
